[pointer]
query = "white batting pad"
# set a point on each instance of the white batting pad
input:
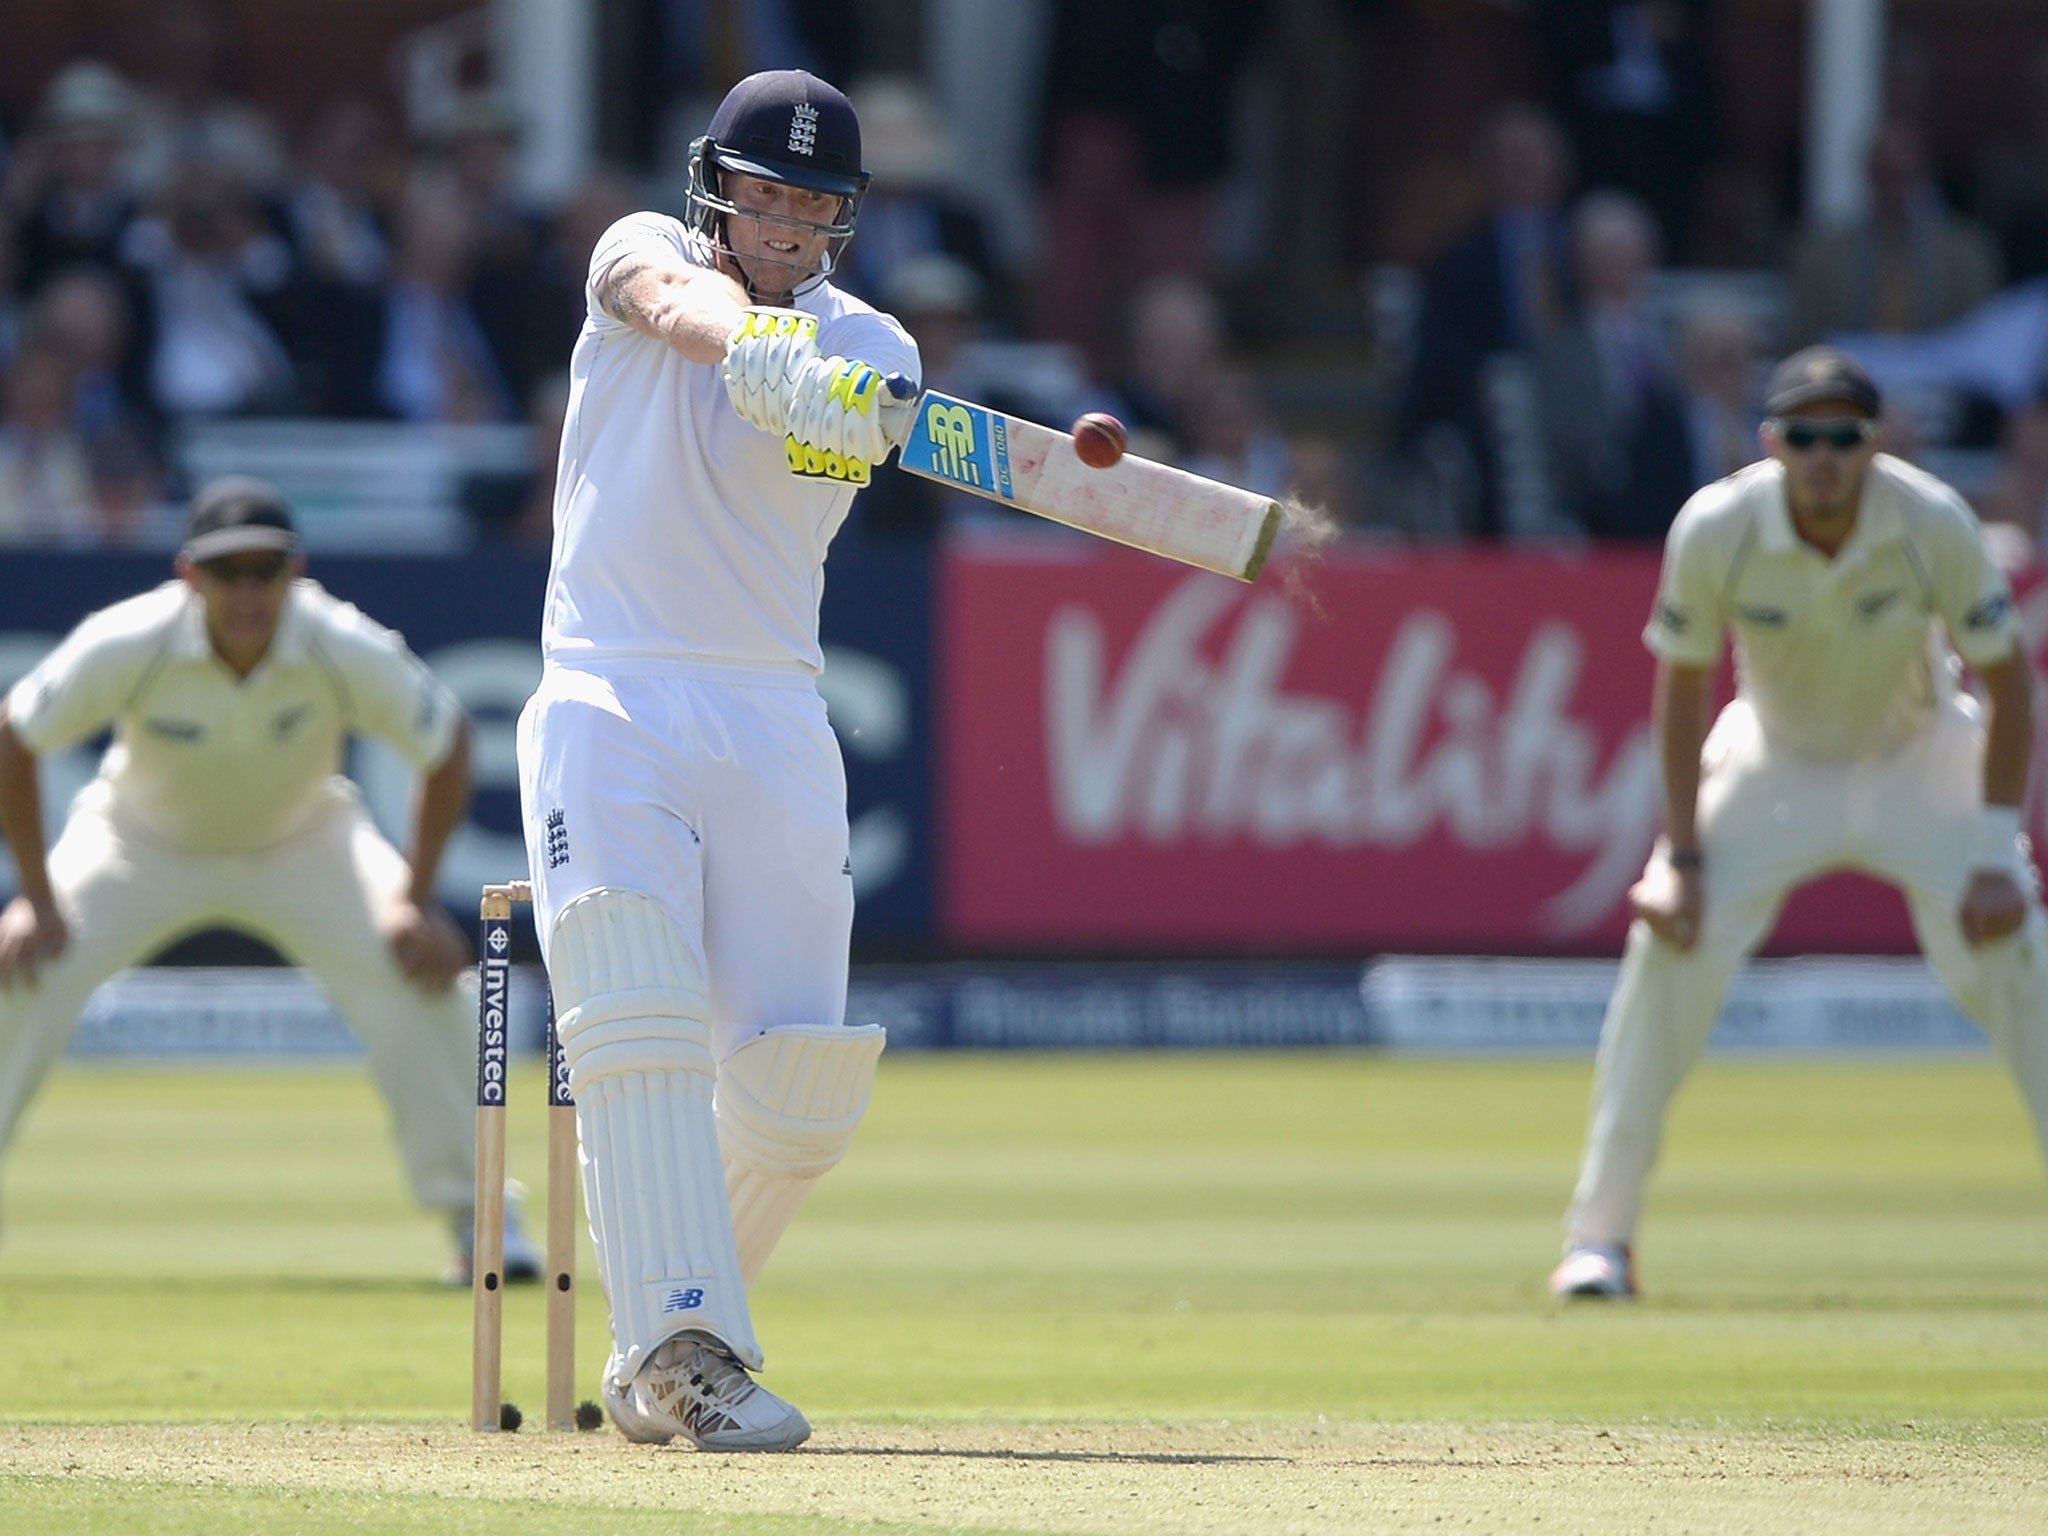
(788, 1103)
(634, 1036)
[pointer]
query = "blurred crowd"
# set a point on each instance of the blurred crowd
(171, 257)
(1574, 347)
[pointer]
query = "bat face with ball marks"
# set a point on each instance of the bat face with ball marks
(1134, 501)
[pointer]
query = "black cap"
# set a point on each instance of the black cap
(1819, 374)
(788, 125)
(237, 513)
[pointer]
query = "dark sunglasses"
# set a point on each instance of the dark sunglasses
(262, 569)
(1842, 436)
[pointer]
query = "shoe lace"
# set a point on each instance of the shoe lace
(711, 1370)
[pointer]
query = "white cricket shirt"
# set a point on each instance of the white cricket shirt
(1843, 658)
(212, 763)
(681, 537)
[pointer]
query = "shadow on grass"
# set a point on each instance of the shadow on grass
(295, 1284)
(1105, 1458)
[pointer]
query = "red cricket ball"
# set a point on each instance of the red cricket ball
(1100, 439)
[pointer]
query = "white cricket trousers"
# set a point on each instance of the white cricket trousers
(721, 796)
(704, 815)
(1768, 822)
(317, 897)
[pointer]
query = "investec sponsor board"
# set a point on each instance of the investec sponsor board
(492, 1043)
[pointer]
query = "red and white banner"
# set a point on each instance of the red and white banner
(1423, 751)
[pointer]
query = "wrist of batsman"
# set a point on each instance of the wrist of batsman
(765, 356)
(836, 407)
(1997, 839)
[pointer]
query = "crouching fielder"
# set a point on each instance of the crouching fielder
(684, 797)
(231, 692)
(1850, 581)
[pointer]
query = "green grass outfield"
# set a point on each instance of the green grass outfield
(1234, 1293)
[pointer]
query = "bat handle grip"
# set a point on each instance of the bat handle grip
(899, 411)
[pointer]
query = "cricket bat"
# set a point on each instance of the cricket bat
(1149, 506)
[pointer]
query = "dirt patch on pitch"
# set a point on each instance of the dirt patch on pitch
(1123, 1480)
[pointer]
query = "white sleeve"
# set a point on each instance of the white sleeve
(388, 691)
(1970, 591)
(650, 234)
(82, 686)
(1687, 624)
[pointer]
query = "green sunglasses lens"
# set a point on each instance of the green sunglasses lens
(1841, 436)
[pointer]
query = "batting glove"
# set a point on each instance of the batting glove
(764, 356)
(836, 410)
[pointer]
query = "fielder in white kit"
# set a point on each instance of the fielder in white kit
(220, 802)
(1851, 582)
(684, 797)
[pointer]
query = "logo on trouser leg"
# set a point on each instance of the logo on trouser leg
(558, 839)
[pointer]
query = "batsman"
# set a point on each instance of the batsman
(683, 794)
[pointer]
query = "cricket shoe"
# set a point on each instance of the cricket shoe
(1598, 1270)
(523, 1262)
(693, 1387)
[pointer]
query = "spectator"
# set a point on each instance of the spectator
(1327, 479)
(1606, 390)
(1232, 436)
(217, 299)
(87, 314)
(1720, 374)
(1989, 363)
(940, 302)
(1503, 287)
(45, 489)
(478, 150)
(1173, 349)
(130, 507)
(437, 364)
(188, 114)
(1136, 121)
(696, 48)
(914, 207)
(2012, 187)
(2014, 505)
(334, 206)
(68, 190)
(1634, 95)
(1739, 220)
(335, 212)
(943, 304)
(1911, 263)
(10, 305)
(599, 200)
(519, 509)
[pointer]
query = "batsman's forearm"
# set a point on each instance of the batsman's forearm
(21, 814)
(443, 802)
(1681, 713)
(2008, 730)
(692, 309)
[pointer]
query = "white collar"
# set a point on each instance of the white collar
(1878, 519)
(288, 647)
